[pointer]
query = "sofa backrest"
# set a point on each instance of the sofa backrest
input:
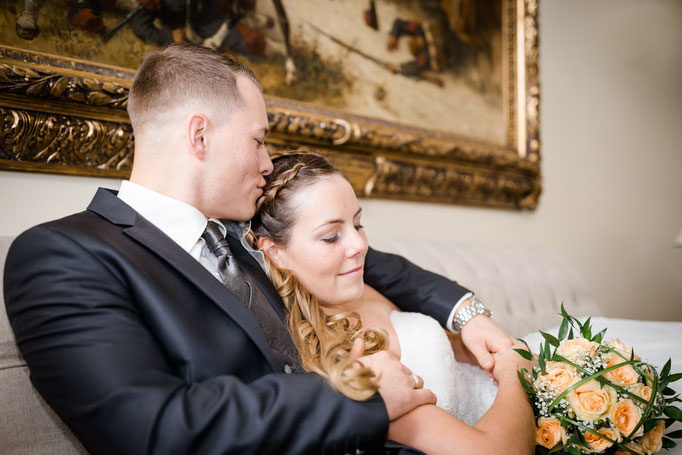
(28, 426)
(523, 285)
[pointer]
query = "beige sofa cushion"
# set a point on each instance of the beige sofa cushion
(523, 285)
(28, 426)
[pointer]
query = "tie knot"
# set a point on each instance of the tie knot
(215, 240)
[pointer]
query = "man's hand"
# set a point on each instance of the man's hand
(462, 353)
(483, 337)
(396, 382)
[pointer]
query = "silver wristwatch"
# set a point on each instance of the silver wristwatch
(465, 314)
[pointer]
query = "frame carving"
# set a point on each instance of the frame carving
(63, 115)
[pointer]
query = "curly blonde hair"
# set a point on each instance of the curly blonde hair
(323, 341)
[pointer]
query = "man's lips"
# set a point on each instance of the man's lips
(350, 272)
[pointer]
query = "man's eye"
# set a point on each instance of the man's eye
(260, 142)
(358, 227)
(331, 239)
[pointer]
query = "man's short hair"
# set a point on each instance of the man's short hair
(183, 74)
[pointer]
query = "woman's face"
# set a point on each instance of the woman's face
(327, 245)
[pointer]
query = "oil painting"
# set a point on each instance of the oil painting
(390, 81)
(358, 56)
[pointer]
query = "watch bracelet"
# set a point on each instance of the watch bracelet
(474, 308)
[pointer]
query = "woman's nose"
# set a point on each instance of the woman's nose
(357, 243)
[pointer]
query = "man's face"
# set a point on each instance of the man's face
(235, 175)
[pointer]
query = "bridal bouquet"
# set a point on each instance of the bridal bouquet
(596, 396)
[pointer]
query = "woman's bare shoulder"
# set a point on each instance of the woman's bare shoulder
(377, 300)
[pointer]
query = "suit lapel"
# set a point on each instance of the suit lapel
(253, 268)
(116, 211)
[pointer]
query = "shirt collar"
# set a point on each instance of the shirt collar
(181, 222)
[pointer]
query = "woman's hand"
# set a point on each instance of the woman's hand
(508, 362)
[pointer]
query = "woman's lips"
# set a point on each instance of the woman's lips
(356, 271)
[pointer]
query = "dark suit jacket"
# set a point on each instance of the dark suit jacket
(142, 351)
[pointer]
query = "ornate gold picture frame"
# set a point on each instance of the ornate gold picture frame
(64, 115)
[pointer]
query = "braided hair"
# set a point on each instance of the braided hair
(323, 341)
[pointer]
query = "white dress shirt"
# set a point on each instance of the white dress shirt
(181, 222)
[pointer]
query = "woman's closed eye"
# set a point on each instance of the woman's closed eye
(331, 239)
(335, 237)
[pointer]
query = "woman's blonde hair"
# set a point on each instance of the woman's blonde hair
(323, 341)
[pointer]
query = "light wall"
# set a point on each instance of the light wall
(612, 161)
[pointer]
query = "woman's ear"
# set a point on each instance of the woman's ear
(197, 124)
(276, 254)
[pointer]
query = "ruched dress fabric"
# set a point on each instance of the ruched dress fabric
(463, 390)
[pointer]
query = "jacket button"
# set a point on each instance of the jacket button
(287, 369)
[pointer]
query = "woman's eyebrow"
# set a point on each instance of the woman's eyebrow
(336, 220)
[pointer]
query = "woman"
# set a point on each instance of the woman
(308, 226)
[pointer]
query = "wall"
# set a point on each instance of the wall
(612, 161)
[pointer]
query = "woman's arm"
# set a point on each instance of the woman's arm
(508, 427)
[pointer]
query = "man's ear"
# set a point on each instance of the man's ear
(197, 127)
(276, 254)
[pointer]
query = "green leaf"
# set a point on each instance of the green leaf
(675, 434)
(524, 343)
(525, 354)
(541, 362)
(586, 329)
(673, 378)
(581, 438)
(570, 334)
(563, 329)
(548, 351)
(550, 339)
(563, 311)
(649, 424)
(668, 391)
(572, 450)
(668, 443)
(598, 337)
(673, 412)
(666, 369)
(669, 422)
(524, 382)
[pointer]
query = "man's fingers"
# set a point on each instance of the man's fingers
(425, 396)
(483, 357)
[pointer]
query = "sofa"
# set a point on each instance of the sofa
(522, 285)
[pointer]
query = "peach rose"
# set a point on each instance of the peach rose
(642, 391)
(575, 348)
(625, 416)
(652, 442)
(625, 375)
(590, 401)
(622, 348)
(632, 446)
(549, 432)
(559, 377)
(599, 444)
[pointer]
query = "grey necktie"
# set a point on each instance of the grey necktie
(230, 274)
(243, 286)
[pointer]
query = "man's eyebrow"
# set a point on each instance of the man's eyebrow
(337, 220)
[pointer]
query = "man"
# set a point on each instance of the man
(129, 332)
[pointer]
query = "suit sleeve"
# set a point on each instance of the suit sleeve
(96, 363)
(410, 287)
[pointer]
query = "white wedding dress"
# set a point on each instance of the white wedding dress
(463, 390)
